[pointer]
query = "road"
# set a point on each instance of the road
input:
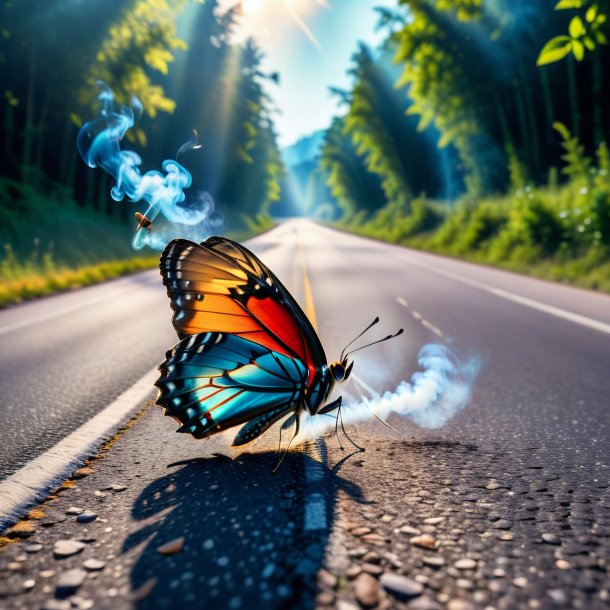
(513, 493)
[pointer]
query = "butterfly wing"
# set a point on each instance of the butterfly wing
(220, 286)
(213, 381)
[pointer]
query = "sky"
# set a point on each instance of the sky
(309, 42)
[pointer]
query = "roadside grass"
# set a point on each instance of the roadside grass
(555, 233)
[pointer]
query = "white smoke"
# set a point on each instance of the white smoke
(431, 398)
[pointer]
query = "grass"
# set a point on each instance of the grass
(25, 281)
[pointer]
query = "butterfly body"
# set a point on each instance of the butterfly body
(248, 354)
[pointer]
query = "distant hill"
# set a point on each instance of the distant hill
(305, 150)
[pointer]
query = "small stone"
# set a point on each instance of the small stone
(551, 538)
(520, 582)
(371, 568)
(345, 605)
(29, 584)
(375, 539)
(424, 603)
(465, 564)
(69, 581)
(433, 520)
(506, 536)
(86, 517)
(116, 488)
(15, 566)
(325, 599)
(387, 519)
(47, 573)
(32, 548)
(361, 531)
(67, 548)
(492, 485)
(358, 552)
(367, 590)
(464, 583)
(411, 531)
(93, 565)
(434, 562)
(562, 564)
(80, 473)
(353, 571)
(425, 541)
(460, 604)
(74, 510)
(172, 547)
(502, 524)
(57, 604)
(401, 586)
(372, 557)
(558, 596)
(99, 494)
(327, 579)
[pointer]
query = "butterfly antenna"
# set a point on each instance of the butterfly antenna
(296, 432)
(375, 321)
(376, 342)
(385, 423)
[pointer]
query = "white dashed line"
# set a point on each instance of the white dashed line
(431, 327)
(315, 504)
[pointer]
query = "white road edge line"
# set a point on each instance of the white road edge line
(33, 482)
(602, 327)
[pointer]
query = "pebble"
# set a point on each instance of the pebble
(353, 571)
(424, 541)
(29, 584)
(74, 510)
(506, 536)
(99, 494)
(116, 488)
(69, 581)
(32, 548)
(371, 568)
(465, 564)
(92, 565)
(372, 557)
(345, 605)
(433, 520)
(361, 531)
(464, 583)
(171, 547)
(325, 599)
(86, 517)
(460, 604)
(434, 562)
(82, 472)
(367, 590)
(67, 548)
(57, 604)
(424, 603)
(407, 529)
(502, 524)
(492, 485)
(401, 586)
(358, 552)
(520, 582)
(562, 564)
(551, 538)
(328, 579)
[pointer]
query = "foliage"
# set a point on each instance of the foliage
(586, 31)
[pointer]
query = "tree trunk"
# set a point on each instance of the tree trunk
(28, 137)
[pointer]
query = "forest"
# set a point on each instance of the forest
(477, 128)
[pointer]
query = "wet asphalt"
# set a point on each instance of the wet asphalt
(508, 506)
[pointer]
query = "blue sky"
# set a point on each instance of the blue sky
(309, 68)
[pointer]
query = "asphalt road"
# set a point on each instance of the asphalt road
(513, 493)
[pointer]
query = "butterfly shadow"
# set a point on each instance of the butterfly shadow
(246, 541)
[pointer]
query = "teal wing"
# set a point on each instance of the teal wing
(213, 381)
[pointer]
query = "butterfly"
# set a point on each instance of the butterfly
(248, 353)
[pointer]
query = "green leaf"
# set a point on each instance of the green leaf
(554, 50)
(591, 13)
(577, 27)
(589, 43)
(568, 4)
(578, 49)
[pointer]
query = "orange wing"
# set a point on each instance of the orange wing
(220, 286)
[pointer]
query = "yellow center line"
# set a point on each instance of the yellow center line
(310, 309)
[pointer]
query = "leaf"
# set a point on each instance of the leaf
(562, 130)
(578, 49)
(591, 13)
(568, 4)
(554, 50)
(577, 27)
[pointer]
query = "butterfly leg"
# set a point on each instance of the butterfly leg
(340, 418)
(336, 404)
(297, 421)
